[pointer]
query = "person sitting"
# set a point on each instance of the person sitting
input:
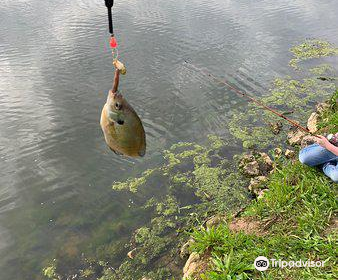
(322, 154)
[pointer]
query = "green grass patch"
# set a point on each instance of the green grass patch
(301, 201)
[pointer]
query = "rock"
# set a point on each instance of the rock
(295, 137)
(214, 221)
(190, 265)
(321, 107)
(131, 254)
(256, 184)
(256, 164)
(312, 122)
(307, 140)
(251, 169)
(246, 159)
(265, 163)
(196, 264)
(278, 152)
(185, 249)
(289, 153)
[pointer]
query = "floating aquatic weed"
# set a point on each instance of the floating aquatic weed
(325, 70)
(311, 48)
(132, 184)
(198, 173)
(287, 95)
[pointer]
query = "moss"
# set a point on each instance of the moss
(87, 273)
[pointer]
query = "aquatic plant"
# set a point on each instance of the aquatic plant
(311, 48)
(195, 180)
(50, 271)
(292, 97)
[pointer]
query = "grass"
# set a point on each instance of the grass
(299, 206)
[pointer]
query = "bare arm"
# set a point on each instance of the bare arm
(332, 148)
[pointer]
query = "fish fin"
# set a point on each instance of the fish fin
(115, 152)
(142, 152)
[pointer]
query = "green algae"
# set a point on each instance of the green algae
(133, 183)
(326, 70)
(312, 48)
(252, 124)
(50, 271)
(195, 180)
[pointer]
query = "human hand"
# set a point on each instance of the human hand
(322, 141)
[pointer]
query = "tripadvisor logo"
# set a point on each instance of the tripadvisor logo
(261, 263)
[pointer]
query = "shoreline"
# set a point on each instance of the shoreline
(205, 260)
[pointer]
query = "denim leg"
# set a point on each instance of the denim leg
(315, 154)
(331, 170)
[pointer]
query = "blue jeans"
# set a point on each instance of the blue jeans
(316, 155)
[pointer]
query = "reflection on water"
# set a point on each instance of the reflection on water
(55, 70)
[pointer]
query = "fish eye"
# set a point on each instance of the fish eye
(118, 106)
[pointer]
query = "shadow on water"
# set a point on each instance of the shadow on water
(55, 70)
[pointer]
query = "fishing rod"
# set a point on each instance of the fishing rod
(248, 96)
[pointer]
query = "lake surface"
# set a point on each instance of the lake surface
(55, 70)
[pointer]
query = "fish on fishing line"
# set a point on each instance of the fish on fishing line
(122, 128)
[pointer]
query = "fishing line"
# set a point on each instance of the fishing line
(248, 96)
